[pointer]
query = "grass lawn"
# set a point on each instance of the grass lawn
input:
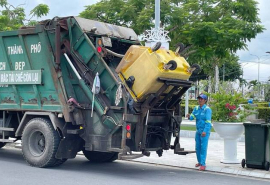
(192, 128)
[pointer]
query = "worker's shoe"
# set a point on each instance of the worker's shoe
(197, 165)
(202, 168)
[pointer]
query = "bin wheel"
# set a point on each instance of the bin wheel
(266, 166)
(180, 47)
(197, 68)
(156, 46)
(243, 163)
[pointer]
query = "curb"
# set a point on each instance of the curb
(223, 170)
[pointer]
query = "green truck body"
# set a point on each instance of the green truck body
(46, 77)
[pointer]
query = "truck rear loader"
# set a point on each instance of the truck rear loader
(71, 84)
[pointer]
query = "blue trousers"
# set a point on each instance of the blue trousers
(201, 147)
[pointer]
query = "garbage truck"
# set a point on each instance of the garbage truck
(71, 84)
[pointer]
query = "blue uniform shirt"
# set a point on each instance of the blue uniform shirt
(203, 118)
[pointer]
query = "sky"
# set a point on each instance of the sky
(252, 59)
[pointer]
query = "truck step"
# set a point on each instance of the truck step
(6, 141)
(185, 152)
(6, 129)
(181, 151)
(176, 148)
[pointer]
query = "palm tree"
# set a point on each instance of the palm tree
(253, 83)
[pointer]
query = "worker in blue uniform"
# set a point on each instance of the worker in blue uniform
(202, 114)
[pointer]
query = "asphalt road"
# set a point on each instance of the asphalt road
(14, 170)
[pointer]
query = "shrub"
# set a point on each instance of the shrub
(227, 107)
(264, 104)
(190, 109)
(191, 102)
(264, 113)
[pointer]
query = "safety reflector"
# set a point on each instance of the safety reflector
(99, 49)
(128, 131)
(128, 127)
(128, 135)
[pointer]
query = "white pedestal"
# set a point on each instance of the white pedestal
(230, 132)
(230, 152)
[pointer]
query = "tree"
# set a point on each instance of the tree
(232, 69)
(266, 88)
(267, 93)
(213, 26)
(137, 14)
(254, 87)
(253, 83)
(212, 29)
(13, 17)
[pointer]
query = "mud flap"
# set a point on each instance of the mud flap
(68, 147)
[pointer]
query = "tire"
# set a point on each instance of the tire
(173, 63)
(2, 145)
(266, 166)
(197, 68)
(181, 47)
(59, 162)
(156, 46)
(100, 157)
(114, 157)
(40, 142)
(243, 163)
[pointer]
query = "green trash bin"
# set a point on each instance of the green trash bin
(267, 150)
(256, 140)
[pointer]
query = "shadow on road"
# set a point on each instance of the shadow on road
(11, 155)
(81, 165)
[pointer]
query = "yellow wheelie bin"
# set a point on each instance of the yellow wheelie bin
(141, 67)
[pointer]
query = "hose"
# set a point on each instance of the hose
(114, 54)
(172, 116)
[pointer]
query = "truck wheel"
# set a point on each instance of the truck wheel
(58, 162)
(100, 157)
(2, 145)
(114, 157)
(40, 142)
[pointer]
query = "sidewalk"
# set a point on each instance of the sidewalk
(215, 154)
